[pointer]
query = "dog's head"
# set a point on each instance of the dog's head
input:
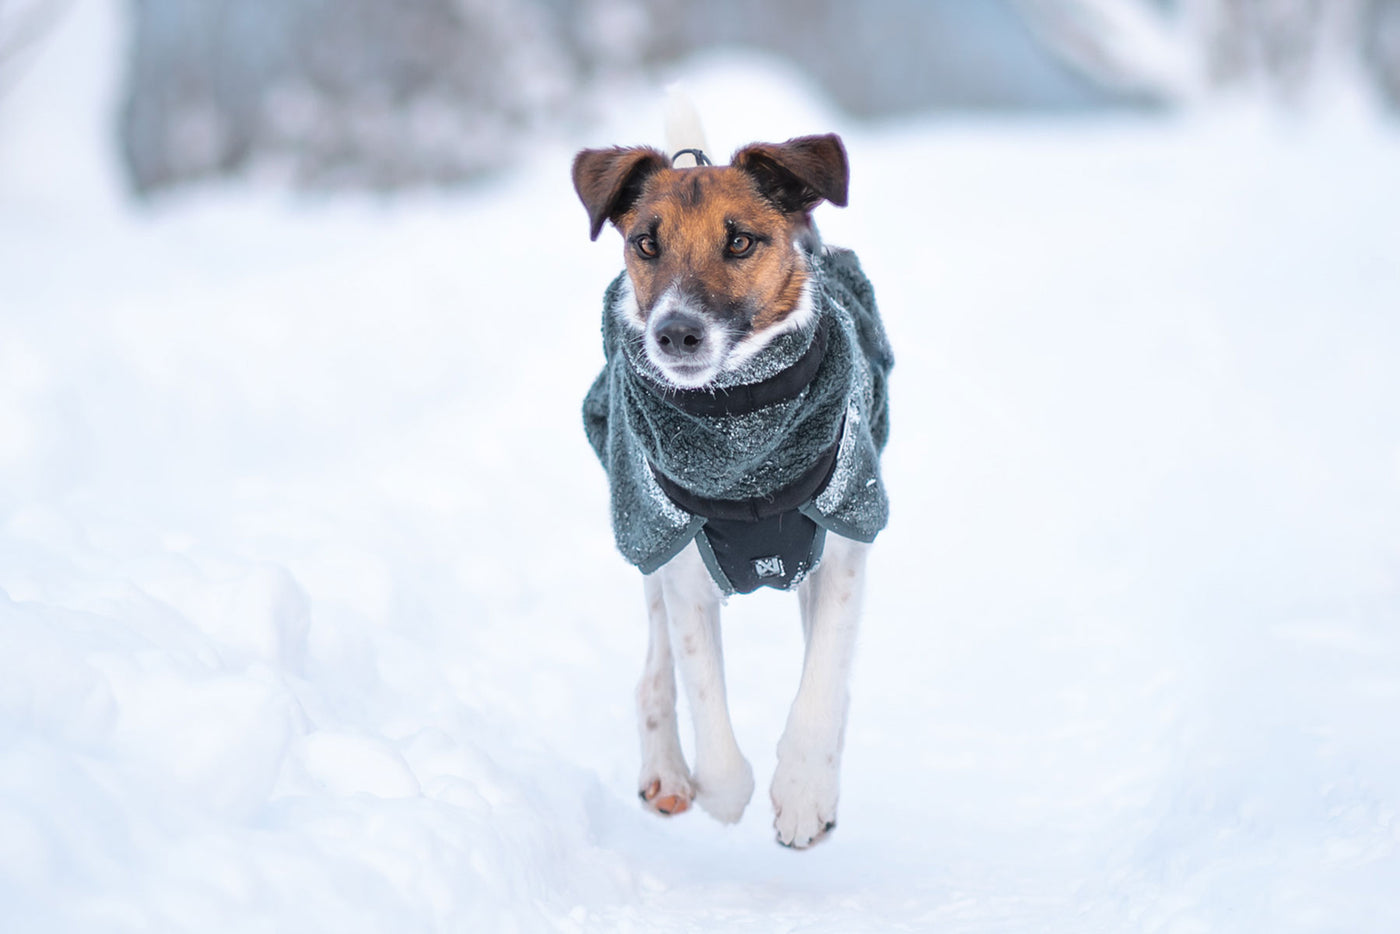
(714, 254)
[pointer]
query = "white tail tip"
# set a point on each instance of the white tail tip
(683, 129)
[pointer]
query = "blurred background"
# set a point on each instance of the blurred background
(310, 613)
(369, 94)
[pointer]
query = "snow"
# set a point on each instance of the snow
(310, 617)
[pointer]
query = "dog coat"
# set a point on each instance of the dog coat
(758, 467)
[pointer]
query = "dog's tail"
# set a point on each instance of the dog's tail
(683, 129)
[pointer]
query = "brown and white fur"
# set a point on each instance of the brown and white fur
(714, 259)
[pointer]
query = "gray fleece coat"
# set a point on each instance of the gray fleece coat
(635, 429)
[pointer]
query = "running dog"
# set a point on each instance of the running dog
(740, 416)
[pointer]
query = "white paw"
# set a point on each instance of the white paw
(724, 793)
(665, 786)
(804, 791)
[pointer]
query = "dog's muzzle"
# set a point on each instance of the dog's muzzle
(684, 348)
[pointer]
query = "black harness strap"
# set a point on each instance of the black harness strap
(798, 493)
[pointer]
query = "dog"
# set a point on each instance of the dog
(740, 416)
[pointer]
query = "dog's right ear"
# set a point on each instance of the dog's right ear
(609, 181)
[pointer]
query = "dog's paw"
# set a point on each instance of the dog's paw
(724, 793)
(666, 791)
(804, 792)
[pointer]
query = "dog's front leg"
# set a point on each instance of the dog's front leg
(665, 780)
(806, 782)
(723, 779)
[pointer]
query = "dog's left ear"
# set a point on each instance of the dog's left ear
(609, 181)
(799, 174)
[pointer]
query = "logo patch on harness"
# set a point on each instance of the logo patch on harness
(768, 567)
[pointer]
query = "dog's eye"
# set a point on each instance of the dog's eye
(741, 245)
(646, 246)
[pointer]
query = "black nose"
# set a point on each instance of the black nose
(680, 335)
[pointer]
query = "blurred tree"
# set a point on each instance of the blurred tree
(336, 92)
(1294, 52)
(22, 24)
(1382, 47)
(890, 57)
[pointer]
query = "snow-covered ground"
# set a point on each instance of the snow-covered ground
(310, 618)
